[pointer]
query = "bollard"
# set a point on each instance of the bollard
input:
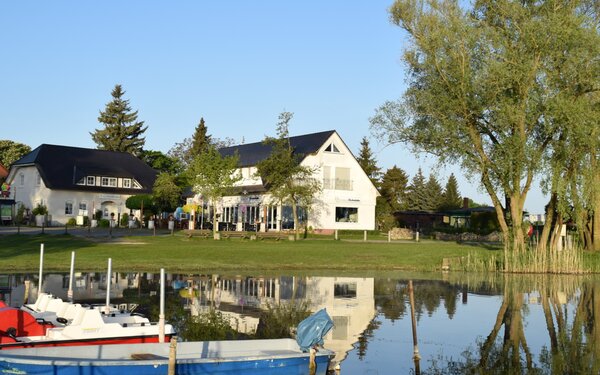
(336, 234)
(389, 236)
(417, 236)
(365, 236)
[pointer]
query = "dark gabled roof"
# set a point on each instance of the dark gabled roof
(61, 167)
(251, 153)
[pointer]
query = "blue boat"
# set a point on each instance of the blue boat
(254, 357)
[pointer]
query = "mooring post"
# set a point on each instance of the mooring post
(40, 286)
(416, 355)
(172, 356)
(26, 296)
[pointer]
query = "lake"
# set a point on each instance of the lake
(464, 323)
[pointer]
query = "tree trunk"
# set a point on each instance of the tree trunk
(516, 213)
(545, 236)
(596, 208)
(215, 223)
(295, 214)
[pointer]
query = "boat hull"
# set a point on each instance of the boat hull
(264, 357)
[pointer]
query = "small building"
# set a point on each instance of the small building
(74, 182)
(346, 200)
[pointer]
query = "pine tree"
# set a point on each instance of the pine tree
(417, 193)
(394, 188)
(451, 198)
(434, 192)
(122, 132)
(367, 161)
(201, 140)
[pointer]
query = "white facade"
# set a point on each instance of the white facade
(346, 201)
(29, 190)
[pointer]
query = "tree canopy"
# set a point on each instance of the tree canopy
(11, 151)
(122, 131)
(367, 161)
(213, 176)
(496, 88)
(288, 181)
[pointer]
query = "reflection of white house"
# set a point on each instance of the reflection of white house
(347, 199)
(349, 301)
(75, 182)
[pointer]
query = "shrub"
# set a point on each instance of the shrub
(72, 222)
(104, 223)
(124, 220)
(40, 209)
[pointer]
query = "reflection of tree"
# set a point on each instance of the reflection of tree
(508, 358)
(366, 336)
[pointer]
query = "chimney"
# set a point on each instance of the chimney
(465, 203)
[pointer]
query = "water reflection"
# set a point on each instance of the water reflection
(502, 324)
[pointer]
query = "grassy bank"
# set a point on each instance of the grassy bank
(183, 254)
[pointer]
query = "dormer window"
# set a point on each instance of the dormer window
(109, 181)
(127, 183)
(332, 148)
(90, 180)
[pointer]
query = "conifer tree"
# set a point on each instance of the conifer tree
(122, 132)
(367, 161)
(394, 188)
(433, 193)
(451, 199)
(201, 140)
(417, 194)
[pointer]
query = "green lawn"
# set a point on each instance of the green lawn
(182, 254)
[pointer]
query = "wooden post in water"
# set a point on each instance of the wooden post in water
(172, 356)
(416, 355)
(71, 274)
(26, 296)
(40, 285)
(161, 314)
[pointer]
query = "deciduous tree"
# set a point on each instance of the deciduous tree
(213, 176)
(288, 181)
(493, 88)
(11, 151)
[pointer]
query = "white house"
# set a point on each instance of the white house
(75, 182)
(346, 201)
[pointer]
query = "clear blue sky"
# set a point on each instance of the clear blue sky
(238, 64)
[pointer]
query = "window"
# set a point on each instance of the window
(68, 208)
(327, 182)
(22, 179)
(127, 183)
(342, 179)
(109, 181)
(332, 148)
(344, 290)
(346, 214)
(83, 209)
(91, 180)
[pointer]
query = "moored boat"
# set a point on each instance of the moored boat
(274, 356)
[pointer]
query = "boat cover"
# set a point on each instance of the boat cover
(312, 330)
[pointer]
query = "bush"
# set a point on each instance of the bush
(104, 223)
(40, 209)
(86, 221)
(125, 220)
(72, 222)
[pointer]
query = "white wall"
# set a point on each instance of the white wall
(30, 193)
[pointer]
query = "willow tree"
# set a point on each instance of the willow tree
(484, 90)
